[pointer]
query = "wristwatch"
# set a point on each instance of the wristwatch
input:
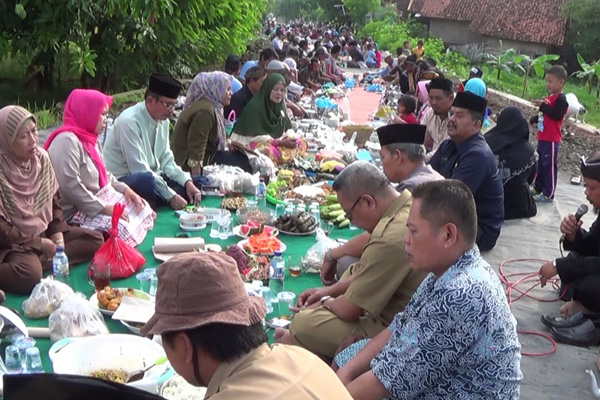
(324, 299)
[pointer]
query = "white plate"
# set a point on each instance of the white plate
(131, 329)
(282, 247)
(167, 256)
(237, 230)
(95, 304)
(299, 234)
(190, 229)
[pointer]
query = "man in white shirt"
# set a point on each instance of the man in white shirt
(441, 97)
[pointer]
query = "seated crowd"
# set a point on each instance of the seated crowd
(409, 308)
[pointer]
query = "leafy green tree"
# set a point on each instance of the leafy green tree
(360, 10)
(588, 73)
(538, 65)
(584, 30)
(503, 62)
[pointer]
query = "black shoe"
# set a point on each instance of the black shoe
(560, 322)
(583, 335)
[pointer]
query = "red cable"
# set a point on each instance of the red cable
(526, 277)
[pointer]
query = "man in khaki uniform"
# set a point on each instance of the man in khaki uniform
(374, 289)
(213, 336)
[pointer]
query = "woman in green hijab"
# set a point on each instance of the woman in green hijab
(264, 122)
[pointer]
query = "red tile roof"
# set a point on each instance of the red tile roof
(537, 21)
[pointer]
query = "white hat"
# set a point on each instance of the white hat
(291, 63)
(385, 55)
(275, 65)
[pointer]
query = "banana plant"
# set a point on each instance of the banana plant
(503, 62)
(587, 73)
(539, 65)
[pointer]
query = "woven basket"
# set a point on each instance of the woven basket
(364, 132)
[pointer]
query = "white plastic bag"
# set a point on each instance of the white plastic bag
(76, 317)
(315, 256)
(45, 298)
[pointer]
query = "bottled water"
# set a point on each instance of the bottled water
(261, 193)
(278, 275)
(60, 266)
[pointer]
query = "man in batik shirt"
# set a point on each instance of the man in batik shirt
(457, 338)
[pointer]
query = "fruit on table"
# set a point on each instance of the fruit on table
(262, 244)
(335, 213)
(285, 174)
(252, 228)
(332, 165)
(297, 222)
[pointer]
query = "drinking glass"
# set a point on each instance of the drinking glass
(279, 210)
(224, 224)
(99, 275)
(294, 264)
(286, 300)
(13, 360)
(33, 362)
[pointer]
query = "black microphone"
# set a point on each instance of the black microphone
(581, 211)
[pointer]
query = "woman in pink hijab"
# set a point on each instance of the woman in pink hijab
(89, 192)
(31, 223)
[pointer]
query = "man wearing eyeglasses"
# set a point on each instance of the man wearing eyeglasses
(137, 151)
(368, 295)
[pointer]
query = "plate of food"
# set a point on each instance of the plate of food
(252, 228)
(177, 388)
(262, 244)
(109, 299)
(299, 223)
(133, 327)
(234, 203)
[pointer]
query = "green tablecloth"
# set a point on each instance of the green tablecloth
(167, 225)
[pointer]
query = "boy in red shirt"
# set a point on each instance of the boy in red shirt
(549, 122)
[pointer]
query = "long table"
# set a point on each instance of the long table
(167, 225)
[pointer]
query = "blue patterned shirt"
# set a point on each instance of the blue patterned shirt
(456, 339)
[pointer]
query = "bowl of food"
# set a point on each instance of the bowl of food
(111, 357)
(192, 221)
(261, 216)
(177, 388)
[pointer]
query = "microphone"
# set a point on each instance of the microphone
(581, 211)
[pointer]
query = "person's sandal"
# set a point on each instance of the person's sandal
(560, 322)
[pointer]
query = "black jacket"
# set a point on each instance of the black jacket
(586, 246)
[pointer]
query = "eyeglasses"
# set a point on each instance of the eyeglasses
(349, 213)
(168, 106)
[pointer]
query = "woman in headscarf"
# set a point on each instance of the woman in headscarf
(31, 224)
(200, 136)
(423, 97)
(517, 162)
(88, 191)
(477, 86)
(264, 122)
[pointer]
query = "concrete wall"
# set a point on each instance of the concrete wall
(458, 33)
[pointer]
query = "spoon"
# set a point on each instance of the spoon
(139, 374)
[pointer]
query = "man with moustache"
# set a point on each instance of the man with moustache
(437, 117)
(466, 156)
(138, 153)
(579, 271)
(457, 338)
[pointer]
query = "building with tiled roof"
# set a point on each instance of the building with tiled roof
(530, 26)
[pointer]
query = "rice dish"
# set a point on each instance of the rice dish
(178, 389)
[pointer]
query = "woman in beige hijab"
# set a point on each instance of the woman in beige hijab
(31, 224)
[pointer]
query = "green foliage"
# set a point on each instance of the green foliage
(588, 74)
(506, 61)
(360, 10)
(584, 30)
(539, 65)
(115, 43)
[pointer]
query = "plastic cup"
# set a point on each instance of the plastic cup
(279, 210)
(265, 293)
(294, 264)
(33, 361)
(144, 281)
(13, 360)
(214, 228)
(23, 344)
(286, 300)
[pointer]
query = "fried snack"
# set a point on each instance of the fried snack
(110, 298)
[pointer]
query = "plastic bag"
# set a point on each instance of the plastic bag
(123, 259)
(76, 317)
(45, 298)
(315, 256)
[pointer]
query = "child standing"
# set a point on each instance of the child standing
(549, 122)
(407, 106)
(419, 51)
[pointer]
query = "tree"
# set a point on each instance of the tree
(588, 73)
(503, 62)
(360, 10)
(584, 30)
(539, 65)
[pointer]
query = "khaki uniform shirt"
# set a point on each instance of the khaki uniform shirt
(277, 372)
(384, 281)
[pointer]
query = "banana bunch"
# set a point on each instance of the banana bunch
(333, 212)
(285, 174)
